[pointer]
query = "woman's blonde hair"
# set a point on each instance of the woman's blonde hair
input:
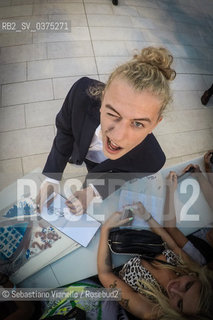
(149, 70)
(161, 301)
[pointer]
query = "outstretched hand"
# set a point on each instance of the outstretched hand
(194, 166)
(207, 162)
(171, 180)
(79, 202)
(115, 220)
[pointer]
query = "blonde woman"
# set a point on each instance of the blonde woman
(109, 127)
(152, 290)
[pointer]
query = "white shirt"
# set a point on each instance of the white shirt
(95, 152)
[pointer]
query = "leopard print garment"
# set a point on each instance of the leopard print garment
(133, 271)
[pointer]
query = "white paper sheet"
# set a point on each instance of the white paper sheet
(80, 228)
(153, 204)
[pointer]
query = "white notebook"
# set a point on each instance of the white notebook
(80, 228)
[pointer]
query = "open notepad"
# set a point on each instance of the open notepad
(80, 228)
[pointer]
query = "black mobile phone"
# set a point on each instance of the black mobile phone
(127, 213)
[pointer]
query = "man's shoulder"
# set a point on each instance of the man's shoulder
(150, 154)
(86, 83)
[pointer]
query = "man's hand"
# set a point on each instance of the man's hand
(46, 189)
(79, 202)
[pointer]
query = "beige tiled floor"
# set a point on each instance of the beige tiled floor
(37, 70)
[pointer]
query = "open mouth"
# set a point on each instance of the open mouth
(112, 146)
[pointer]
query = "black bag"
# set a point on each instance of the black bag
(145, 243)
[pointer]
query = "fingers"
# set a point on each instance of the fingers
(75, 205)
(188, 167)
(171, 175)
(51, 200)
(124, 221)
(208, 156)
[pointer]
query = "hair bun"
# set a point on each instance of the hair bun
(160, 58)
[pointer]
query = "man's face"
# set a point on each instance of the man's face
(127, 117)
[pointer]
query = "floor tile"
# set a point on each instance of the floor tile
(153, 13)
(13, 72)
(94, 8)
(77, 20)
(185, 120)
(65, 1)
(16, 11)
(188, 82)
(208, 79)
(22, 53)
(76, 34)
(25, 92)
(35, 161)
(103, 33)
(183, 100)
(4, 3)
(108, 64)
(25, 142)
(12, 118)
(61, 86)
(144, 23)
(172, 162)
(104, 77)
(21, 2)
(69, 49)
(183, 51)
(177, 144)
(42, 113)
(125, 10)
(73, 170)
(61, 67)
(194, 66)
(109, 48)
(57, 8)
(192, 156)
(14, 39)
(144, 3)
(101, 20)
(135, 46)
(10, 170)
(97, 1)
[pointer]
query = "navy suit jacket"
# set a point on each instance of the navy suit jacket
(76, 124)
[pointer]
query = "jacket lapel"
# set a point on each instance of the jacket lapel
(90, 123)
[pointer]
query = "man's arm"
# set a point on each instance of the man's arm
(205, 186)
(209, 166)
(169, 212)
(63, 143)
